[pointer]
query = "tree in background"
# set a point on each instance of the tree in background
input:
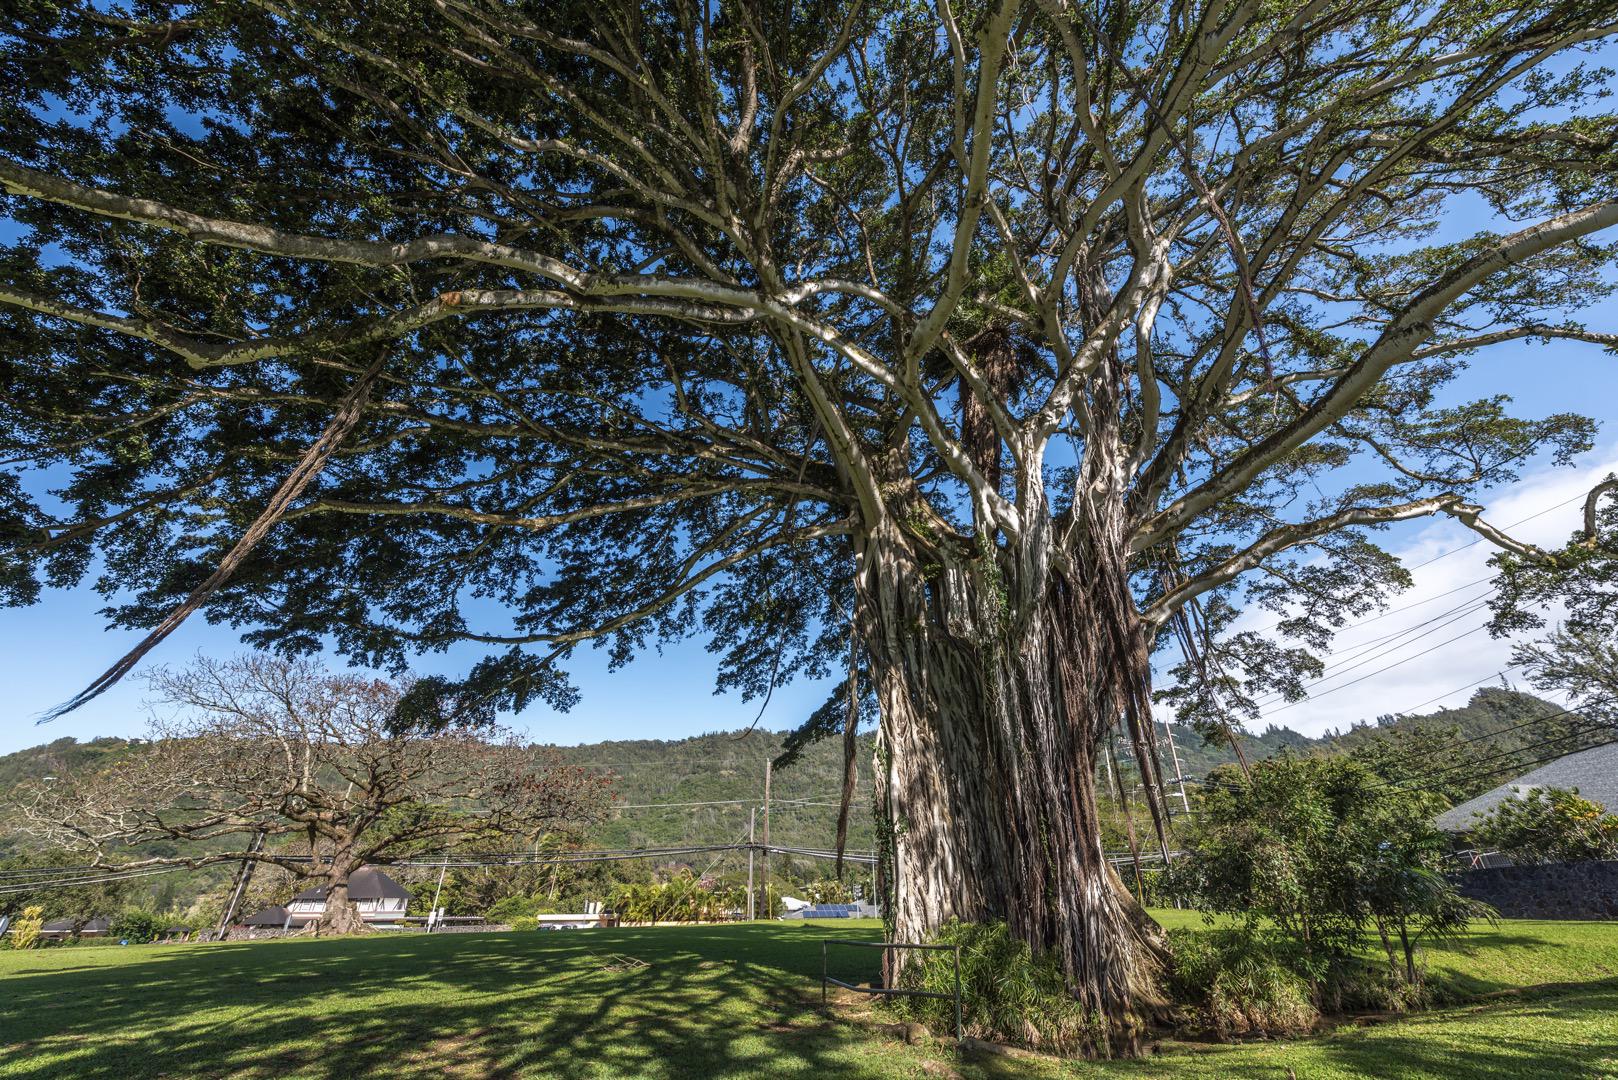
(1401, 861)
(1438, 759)
(1035, 335)
(137, 926)
(1580, 660)
(319, 766)
(1549, 825)
(1323, 849)
(56, 882)
(1283, 849)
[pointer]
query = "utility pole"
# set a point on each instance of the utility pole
(768, 766)
(1174, 754)
(432, 916)
(1129, 818)
(752, 898)
(243, 876)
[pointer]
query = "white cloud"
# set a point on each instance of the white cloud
(1544, 507)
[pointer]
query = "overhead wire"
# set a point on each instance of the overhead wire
(1360, 657)
(1373, 674)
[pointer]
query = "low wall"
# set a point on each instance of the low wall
(1582, 890)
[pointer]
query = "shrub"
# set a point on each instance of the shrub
(136, 927)
(1324, 851)
(25, 932)
(1235, 982)
(524, 922)
(1007, 994)
(1548, 826)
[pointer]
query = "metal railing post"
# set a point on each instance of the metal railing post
(957, 992)
(823, 973)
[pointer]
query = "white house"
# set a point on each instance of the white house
(377, 897)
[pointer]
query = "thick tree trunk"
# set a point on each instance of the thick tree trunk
(340, 916)
(995, 703)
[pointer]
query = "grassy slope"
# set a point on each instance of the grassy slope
(715, 1002)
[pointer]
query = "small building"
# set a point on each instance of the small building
(64, 928)
(377, 897)
(274, 917)
(1593, 772)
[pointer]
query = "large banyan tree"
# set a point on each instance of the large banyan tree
(1031, 335)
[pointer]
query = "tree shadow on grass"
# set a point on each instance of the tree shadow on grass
(710, 1003)
(1535, 1037)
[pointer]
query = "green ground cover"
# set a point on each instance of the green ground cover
(711, 1002)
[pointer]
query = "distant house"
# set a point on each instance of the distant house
(377, 897)
(63, 928)
(1593, 772)
(274, 917)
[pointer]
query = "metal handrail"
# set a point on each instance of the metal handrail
(826, 978)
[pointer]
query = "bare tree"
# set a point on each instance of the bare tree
(1030, 331)
(317, 764)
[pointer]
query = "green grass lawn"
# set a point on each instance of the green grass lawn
(712, 1002)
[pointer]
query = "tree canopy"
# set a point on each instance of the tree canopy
(673, 299)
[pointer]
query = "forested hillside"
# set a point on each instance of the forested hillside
(699, 790)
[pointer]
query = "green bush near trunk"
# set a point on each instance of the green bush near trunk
(1234, 982)
(1007, 994)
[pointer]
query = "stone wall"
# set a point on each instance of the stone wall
(1583, 890)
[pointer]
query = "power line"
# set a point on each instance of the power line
(1588, 728)
(717, 802)
(1429, 562)
(1577, 732)
(483, 859)
(1378, 671)
(1361, 658)
(1391, 611)
(1457, 690)
(106, 879)
(1359, 649)
(1513, 525)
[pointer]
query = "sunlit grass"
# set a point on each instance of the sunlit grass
(712, 1002)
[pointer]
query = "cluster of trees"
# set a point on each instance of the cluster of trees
(1331, 856)
(278, 763)
(1549, 825)
(681, 898)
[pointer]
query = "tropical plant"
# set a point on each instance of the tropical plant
(680, 898)
(1238, 982)
(1007, 993)
(827, 891)
(25, 931)
(1549, 825)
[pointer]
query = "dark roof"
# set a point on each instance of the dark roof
(97, 925)
(1593, 772)
(366, 883)
(275, 915)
